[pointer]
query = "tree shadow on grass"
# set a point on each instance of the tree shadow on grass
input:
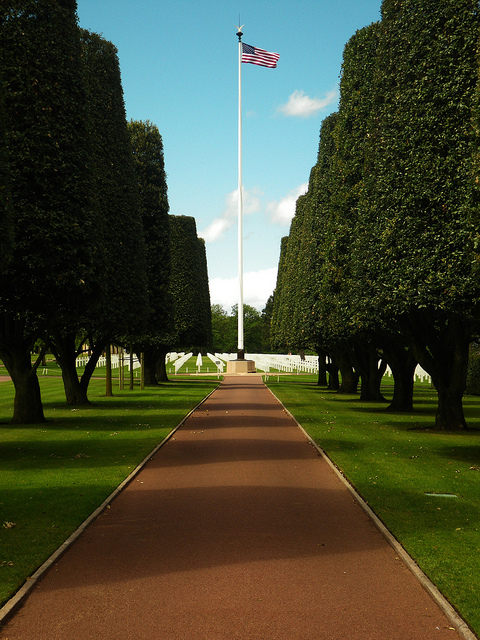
(468, 453)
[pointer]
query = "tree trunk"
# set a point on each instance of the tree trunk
(27, 406)
(155, 370)
(450, 414)
(108, 372)
(131, 385)
(161, 366)
(74, 392)
(342, 359)
(64, 350)
(15, 352)
(371, 373)
(149, 364)
(322, 368)
(450, 384)
(96, 349)
(350, 379)
(333, 378)
(372, 379)
(442, 349)
(402, 363)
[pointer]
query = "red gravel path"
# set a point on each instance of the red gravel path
(236, 530)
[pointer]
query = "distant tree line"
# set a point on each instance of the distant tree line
(89, 253)
(256, 326)
(381, 265)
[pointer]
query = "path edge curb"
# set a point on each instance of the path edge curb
(15, 602)
(460, 625)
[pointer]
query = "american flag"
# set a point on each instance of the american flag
(259, 56)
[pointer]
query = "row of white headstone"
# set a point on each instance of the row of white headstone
(178, 360)
(183, 358)
(295, 364)
(263, 362)
(178, 364)
(115, 359)
(286, 363)
(420, 374)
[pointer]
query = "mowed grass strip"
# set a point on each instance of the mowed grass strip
(396, 461)
(54, 475)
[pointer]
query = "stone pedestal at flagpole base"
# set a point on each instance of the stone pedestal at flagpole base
(240, 366)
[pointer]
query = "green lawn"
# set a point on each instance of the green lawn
(395, 461)
(53, 476)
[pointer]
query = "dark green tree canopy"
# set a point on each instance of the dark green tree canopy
(256, 332)
(189, 286)
(204, 292)
(6, 222)
(252, 324)
(48, 158)
(425, 142)
(121, 256)
(278, 317)
(224, 337)
(267, 314)
(309, 245)
(147, 148)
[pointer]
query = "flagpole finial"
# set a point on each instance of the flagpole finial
(239, 32)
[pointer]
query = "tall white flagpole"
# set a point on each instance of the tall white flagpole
(241, 346)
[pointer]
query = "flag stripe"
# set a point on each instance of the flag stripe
(253, 55)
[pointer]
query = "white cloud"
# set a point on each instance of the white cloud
(258, 286)
(301, 105)
(217, 228)
(282, 211)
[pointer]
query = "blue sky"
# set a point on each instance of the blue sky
(179, 64)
